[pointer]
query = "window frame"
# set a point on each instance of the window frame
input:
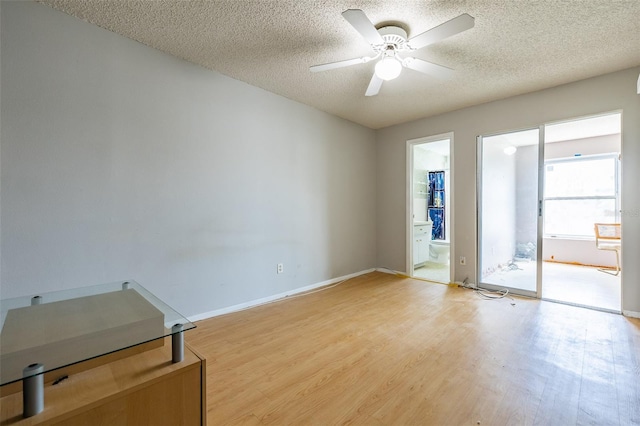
(615, 157)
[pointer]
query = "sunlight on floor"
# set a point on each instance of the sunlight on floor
(582, 285)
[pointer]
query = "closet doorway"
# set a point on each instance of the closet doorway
(430, 208)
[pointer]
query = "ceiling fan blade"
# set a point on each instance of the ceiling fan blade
(442, 31)
(339, 64)
(428, 68)
(374, 86)
(363, 25)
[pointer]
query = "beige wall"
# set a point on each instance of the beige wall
(121, 162)
(616, 91)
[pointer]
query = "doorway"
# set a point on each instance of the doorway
(430, 207)
(582, 187)
(541, 192)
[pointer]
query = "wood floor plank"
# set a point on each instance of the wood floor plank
(626, 337)
(598, 394)
(563, 369)
(384, 350)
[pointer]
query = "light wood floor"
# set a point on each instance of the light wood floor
(384, 350)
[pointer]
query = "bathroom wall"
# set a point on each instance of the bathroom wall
(425, 160)
(419, 195)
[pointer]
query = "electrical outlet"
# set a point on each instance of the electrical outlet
(463, 260)
(280, 268)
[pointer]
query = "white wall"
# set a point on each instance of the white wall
(498, 208)
(583, 252)
(610, 92)
(0, 153)
(587, 146)
(121, 162)
(527, 196)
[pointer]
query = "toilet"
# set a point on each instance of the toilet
(439, 251)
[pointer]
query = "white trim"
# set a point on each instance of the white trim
(262, 301)
(579, 305)
(542, 131)
(392, 272)
(631, 314)
(409, 209)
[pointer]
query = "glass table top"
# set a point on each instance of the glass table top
(66, 327)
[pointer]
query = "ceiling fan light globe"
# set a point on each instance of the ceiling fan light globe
(388, 68)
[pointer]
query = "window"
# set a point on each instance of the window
(579, 192)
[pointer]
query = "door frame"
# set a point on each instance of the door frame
(409, 200)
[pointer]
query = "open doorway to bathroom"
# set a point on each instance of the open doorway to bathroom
(429, 203)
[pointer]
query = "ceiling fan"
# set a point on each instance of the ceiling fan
(387, 42)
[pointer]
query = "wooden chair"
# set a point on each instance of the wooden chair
(608, 237)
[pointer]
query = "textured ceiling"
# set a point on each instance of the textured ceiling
(516, 46)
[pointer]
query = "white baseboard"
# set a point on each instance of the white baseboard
(392, 272)
(262, 301)
(631, 314)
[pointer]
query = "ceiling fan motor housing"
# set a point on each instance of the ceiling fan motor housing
(395, 38)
